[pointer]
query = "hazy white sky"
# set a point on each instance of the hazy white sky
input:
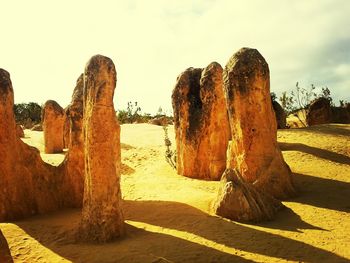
(45, 44)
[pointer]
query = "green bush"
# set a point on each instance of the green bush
(27, 112)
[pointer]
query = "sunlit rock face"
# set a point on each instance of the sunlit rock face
(201, 123)
(241, 201)
(73, 164)
(253, 151)
(27, 185)
(53, 118)
(102, 218)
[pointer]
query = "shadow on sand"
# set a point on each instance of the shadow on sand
(320, 153)
(329, 129)
(141, 245)
(186, 218)
(324, 193)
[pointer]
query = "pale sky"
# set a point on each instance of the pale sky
(46, 44)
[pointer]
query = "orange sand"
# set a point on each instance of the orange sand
(168, 220)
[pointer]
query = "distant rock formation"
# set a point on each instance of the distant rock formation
(201, 123)
(340, 115)
(281, 116)
(53, 122)
(37, 127)
(102, 218)
(5, 255)
(319, 112)
(160, 121)
(253, 150)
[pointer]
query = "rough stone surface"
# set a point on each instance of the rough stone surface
(256, 172)
(201, 124)
(73, 164)
(66, 128)
(281, 116)
(5, 255)
(102, 218)
(319, 112)
(240, 201)
(19, 131)
(27, 185)
(254, 150)
(53, 122)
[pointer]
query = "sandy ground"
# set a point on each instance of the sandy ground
(168, 216)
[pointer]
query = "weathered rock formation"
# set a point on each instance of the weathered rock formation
(73, 164)
(201, 124)
(241, 201)
(253, 151)
(53, 122)
(66, 128)
(319, 112)
(27, 185)
(19, 131)
(102, 218)
(281, 116)
(5, 255)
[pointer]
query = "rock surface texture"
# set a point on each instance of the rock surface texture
(5, 255)
(102, 218)
(319, 112)
(66, 128)
(53, 123)
(73, 164)
(253, 150)
(281, 116)
(240, 201)
(27, 185)
(19, 131)
(201, 123)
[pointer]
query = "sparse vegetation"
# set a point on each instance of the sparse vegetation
(170, 155)
(299, 100)
(27, 114)
(287, 103)
(343, 103)
(133, 114)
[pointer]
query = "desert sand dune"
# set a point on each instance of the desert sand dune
(168, 216)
